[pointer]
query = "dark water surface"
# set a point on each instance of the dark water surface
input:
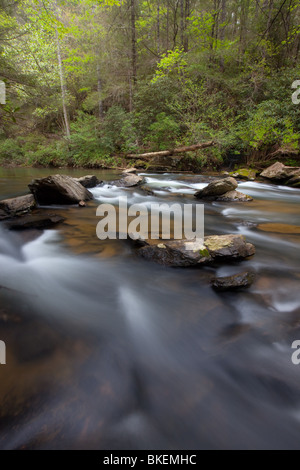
(108, 351)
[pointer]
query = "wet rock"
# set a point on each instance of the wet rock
(59, 189)
(235, 196)
(37, 221)
(129, 171)
(17, 205)
(217, 188)
(130, 181)
(89, 181)
(238, 281)
(185, 253)
(279, 172)
(294, 182)
(147, 190)
(3, 215)
(244, 174)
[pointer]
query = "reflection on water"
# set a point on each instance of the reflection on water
(107, 351)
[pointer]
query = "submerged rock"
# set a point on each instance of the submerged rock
(59, 189)
(88, 181)
(217, 188)
(237, 281)
(35, 221)
(235, 196)
(17, 205)
(185, 253)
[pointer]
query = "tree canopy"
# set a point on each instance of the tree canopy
(91, 79)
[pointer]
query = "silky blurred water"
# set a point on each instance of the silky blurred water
(108, 351)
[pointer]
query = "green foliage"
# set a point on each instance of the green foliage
(164, 132)
(11, 152)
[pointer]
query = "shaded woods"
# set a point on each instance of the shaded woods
(91, 81)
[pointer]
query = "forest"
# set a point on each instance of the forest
(89, 82)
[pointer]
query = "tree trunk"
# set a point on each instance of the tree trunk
(133, 42)
(182, 21)
(63, 86)
(158, 27)
(222, 30)
(166, 153)
(187, 14)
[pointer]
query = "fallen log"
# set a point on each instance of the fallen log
(167, 153)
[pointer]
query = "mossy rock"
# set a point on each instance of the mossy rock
(244, 173)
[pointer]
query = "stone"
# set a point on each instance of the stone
(217, 188)
(130, 181)
(184, 253)
(279, 172)
(35, 221)
(129, 171)
(237, 281)
(88, 181)
(244, 174)
(294, 182)
(59, 189)
(17, 205)
(235, 196)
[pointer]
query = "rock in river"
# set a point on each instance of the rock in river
(59, 189)
(17, 205)
(280, 173)
(217, 188)
(130, 181)
(185, 253)
(244, 174)
(235, 196)
(36, 221)
(237, 281)
(88, 181)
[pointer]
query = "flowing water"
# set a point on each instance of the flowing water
(109, 351)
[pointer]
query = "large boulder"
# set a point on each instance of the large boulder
(185, 253)
(237, 281)
(217, 188)
(235, 196)
(59, 189)
(88, 181)
(130, 181)
(279, 172)
(17, 206)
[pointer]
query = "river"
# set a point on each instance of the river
(109, 351)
